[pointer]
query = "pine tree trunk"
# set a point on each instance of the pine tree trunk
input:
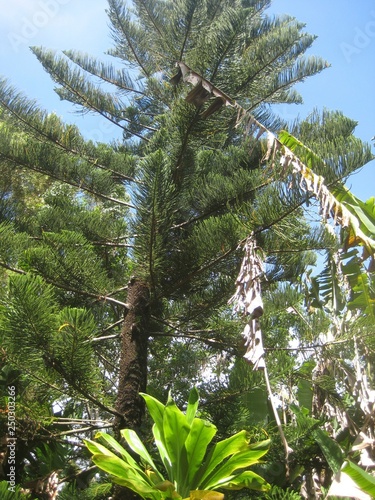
(133, 359)
(133, 368)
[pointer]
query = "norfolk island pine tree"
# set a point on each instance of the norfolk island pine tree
(139, 239)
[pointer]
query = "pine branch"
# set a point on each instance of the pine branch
(115, 9)
(83, 394)
(217, 208)
(38, 132)
(33, 375)
(83, 293)
(76, 421)
(151, 17)
(108, 363)
(288, 83)
(225, 51)
(90, 67)
(99, 244)
(77, 432)
(18, 162)
(205, 267)
(81, 97)
(13, 269)
(187, 32)
(212, 342)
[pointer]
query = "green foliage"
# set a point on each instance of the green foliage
(363, 479)
(35, 330)
(182, 441)
(12, 494)
(167, 204)
(96, 491)
(278, 493)
(324, 140)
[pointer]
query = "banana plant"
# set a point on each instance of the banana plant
(191, 470)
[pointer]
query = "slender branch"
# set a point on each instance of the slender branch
(13, 269)
(221, 205)
(83, 429)
(110, 327)
(40, 133)
(109, 364)
(112, 244)
(211, 342)
(106, 337)
(101, 298)
(287, 448)
(101, 75)
(205, 267)
(125, 33)
(85, 102)
(76, 421)
(187, 33)
(17, 162)
(95, 243)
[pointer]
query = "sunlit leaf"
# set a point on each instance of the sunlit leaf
(201, 434)
(362, 478)
(240, 460)
(247, 479)
(137, 446)
(222, 450)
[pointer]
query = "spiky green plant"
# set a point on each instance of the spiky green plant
(182, 440)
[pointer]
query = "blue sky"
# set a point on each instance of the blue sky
(346, 39)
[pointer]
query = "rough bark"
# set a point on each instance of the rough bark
(133, 359)
(133, 367)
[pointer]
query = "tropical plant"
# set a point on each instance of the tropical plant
(191, 469)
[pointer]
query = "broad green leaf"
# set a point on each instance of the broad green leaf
(364, 211)
(305, 392)
(247, 479)
(192, 406)
(362, 295)
(362, 478)
(331, 450)
(156, 410)
(223, 449)
(124, 474)
(137, 446)
(240, 460)
(162, 450)
(176, 429)
(360, 215)
(260, 445)
(307, 155)
(98, 448)
(201, 434)
(111, 441)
